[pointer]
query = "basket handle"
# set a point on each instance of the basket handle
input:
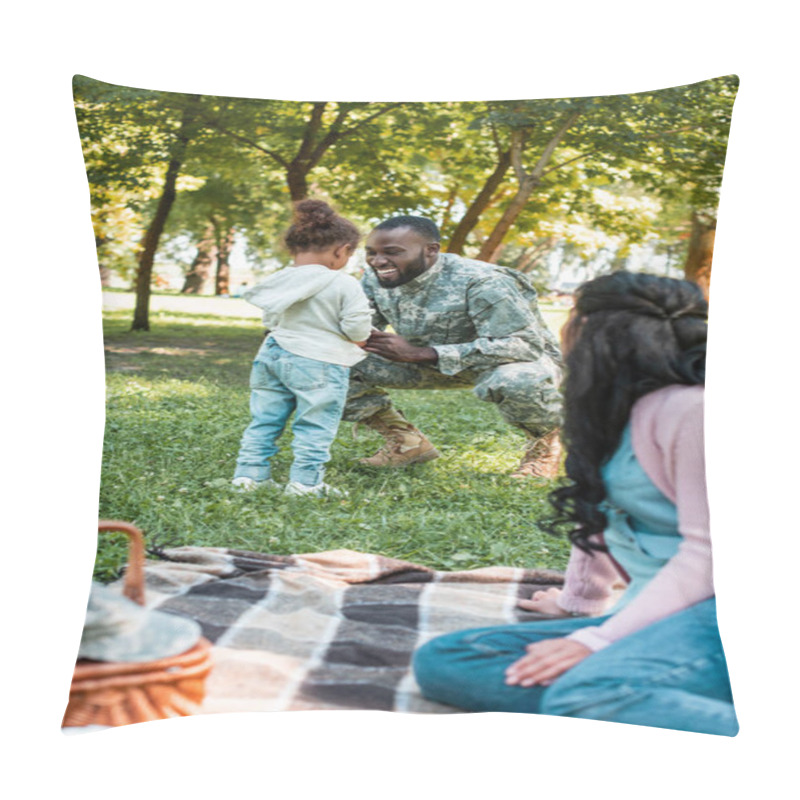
(134, 574)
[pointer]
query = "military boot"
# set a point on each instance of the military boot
(542, 457)
(404, 443)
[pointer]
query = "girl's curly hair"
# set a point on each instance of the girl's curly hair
(316, 226)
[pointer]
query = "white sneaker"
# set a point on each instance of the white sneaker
(245, 484)
(293, 488)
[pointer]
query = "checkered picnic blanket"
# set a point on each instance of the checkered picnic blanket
(329, 630)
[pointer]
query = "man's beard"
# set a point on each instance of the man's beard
(412, 270)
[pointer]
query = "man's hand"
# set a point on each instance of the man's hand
(396, 348)
(546, 661)
(545, 601)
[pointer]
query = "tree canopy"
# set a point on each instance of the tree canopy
(507, 181)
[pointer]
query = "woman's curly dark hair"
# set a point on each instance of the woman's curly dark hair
(316, 226)
(629, 335)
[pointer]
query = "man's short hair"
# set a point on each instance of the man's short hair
(422, 225)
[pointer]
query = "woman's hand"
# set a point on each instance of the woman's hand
(546, 661)
(545, 601)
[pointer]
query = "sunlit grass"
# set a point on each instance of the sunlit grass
(173, 423)
(198, 320)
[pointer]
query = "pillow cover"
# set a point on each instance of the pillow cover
(323, 602)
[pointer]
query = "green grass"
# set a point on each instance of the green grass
(177, 405)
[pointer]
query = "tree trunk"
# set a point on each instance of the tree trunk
(141, 314)
(490, 249)
(308, 154)
(481, 202)
(203, 263)
(315, 143)
(448, 209)
(297, 183)
(224, 247)
(105, 272)
(527, 183)
(697, 267)
(533, 256)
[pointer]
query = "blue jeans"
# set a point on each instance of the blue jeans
(280, 383)
(671, 674)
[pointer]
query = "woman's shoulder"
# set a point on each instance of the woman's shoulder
(661, 417)
(674, 401)
(666, 424)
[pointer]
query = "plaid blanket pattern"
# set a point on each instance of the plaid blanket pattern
(329, 630)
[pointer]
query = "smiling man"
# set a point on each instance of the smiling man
(457, 323)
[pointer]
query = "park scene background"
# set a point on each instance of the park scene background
(190, 195)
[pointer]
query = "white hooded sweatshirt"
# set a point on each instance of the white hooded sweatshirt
(315, 312)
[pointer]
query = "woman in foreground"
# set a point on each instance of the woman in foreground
(637, 509)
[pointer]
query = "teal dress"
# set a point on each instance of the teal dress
(670, 674)
(642, 522)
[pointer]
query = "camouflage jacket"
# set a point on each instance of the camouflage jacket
(475, 315)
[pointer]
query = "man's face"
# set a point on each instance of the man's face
(399, 255)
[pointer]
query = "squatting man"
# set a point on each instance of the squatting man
(457, 323)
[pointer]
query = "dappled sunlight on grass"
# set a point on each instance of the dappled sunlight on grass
(158, 351)
(463, 461)
(201, 320)
(159, 390)
(158, 318)
(174, 420)
(182, 349)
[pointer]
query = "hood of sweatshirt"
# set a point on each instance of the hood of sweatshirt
(281, 290)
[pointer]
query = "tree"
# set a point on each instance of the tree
(649, 138)
(506, 181)
(295, 136)
(236, 197)
(528, 179)
(187, 129)
(137, 137)
(697, 266)
(121, 182)
(686, 171)
(482, 201)
(202, 266)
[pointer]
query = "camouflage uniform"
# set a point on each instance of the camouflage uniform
(484, 323)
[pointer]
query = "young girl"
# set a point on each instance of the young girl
(318, 319)
(636, 503)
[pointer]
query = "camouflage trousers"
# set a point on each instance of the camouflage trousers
(526, 392)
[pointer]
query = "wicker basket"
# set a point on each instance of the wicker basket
(106, 693)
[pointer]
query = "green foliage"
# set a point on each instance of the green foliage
(624, 164)
(669, 144)
(178, 403)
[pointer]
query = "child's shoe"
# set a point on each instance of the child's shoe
(245, 484)
(293, 488)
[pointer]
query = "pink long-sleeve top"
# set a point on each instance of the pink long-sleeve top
(667, 434)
